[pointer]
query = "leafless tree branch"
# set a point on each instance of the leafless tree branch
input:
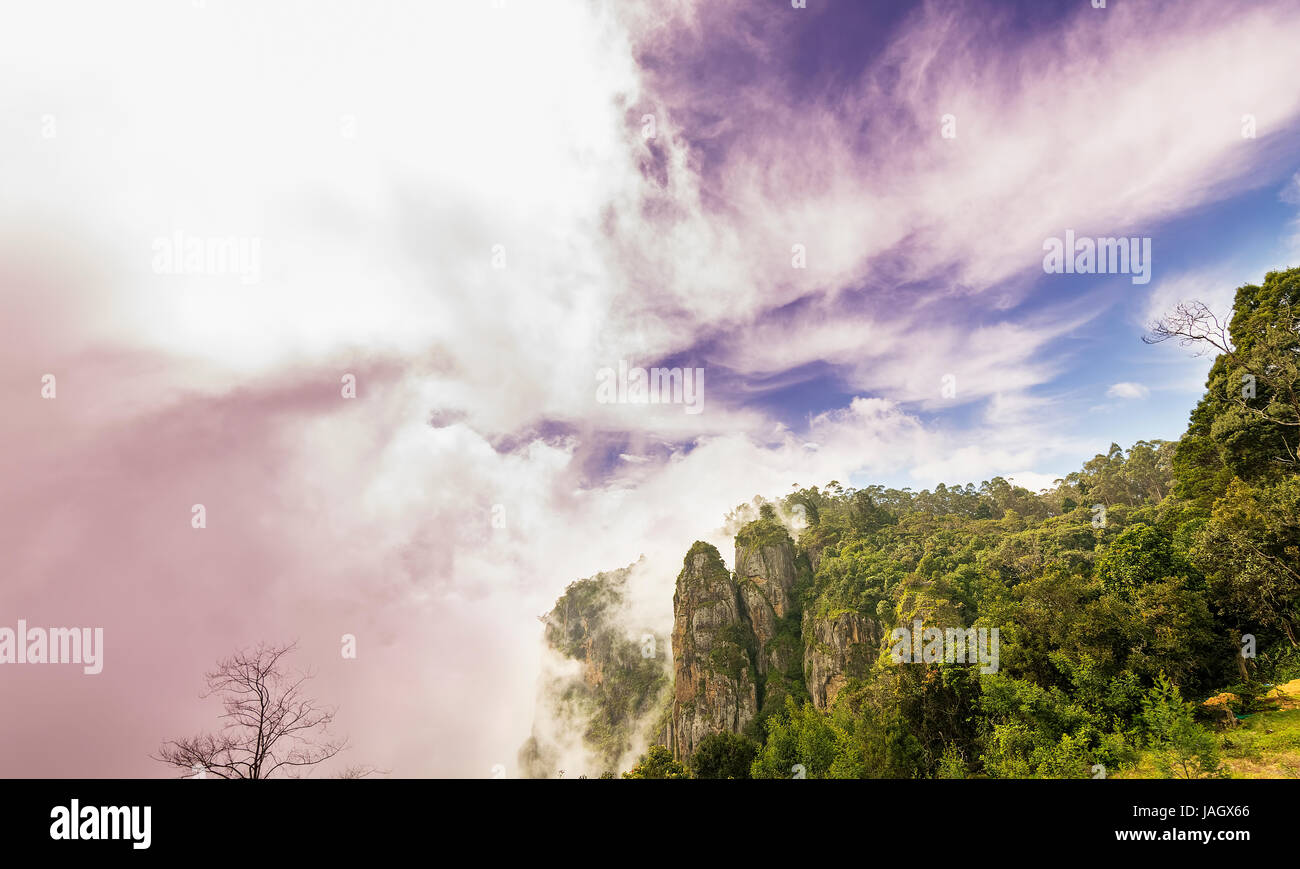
(269, 723)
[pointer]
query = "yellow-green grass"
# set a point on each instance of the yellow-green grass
(1249, 750)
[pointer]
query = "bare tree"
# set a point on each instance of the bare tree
(1192, 324)
(358, 771)
(1272, 362)
(269, 724)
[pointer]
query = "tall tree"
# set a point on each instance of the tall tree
(1250, 552)
(1251, 409)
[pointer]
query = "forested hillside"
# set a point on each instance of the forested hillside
(1149, 581)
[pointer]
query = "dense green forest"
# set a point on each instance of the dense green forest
(1139, 587)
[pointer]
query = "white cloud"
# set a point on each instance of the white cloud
(1128, 390)
(1031, 480)
(1291, 192)
(1109, 167)
(1291, 195)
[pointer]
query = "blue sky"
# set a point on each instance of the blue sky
(752, 84)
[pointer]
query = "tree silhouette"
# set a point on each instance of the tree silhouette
(269, 724)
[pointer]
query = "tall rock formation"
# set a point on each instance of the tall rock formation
(741, 644)
(716, 684)
(596, 716)
(838, 646)
(767, 575)
(737, 647)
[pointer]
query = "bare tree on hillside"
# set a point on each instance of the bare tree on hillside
(1272, 362)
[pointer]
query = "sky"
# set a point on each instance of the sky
(436, 227)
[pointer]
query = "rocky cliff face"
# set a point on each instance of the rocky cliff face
(737, 647)
(741, 644)
(604, 681)
(767, 573)
(837, 647)
(715, 681)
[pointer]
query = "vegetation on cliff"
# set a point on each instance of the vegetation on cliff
(618, 689)
(1136, 589)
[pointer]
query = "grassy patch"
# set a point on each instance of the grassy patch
(1250, 750)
